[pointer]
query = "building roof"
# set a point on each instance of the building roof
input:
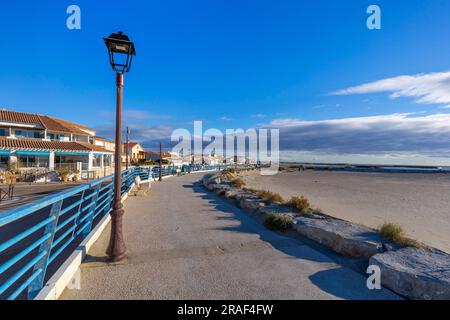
(47, 122)
(35, 144)
(103, 139)
(93, 147)
(19, 117)
(131, 144)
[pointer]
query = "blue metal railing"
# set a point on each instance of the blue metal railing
(36, 238)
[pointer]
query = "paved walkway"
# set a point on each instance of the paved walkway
(185, 243)
(29, 192)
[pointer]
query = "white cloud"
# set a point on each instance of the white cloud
(426, 88)
(225, 118)
(259, 116)
(385, 134)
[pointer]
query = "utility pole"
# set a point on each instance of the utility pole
(127, 146)
(160, 161)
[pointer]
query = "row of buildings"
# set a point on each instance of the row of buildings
(35, 141)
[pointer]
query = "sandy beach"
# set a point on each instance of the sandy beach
(420, 203)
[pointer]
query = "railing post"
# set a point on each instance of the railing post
(91, 212)
(78, 212)
(110, 197)
(37, 284)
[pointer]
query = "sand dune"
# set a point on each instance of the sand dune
(419, 202)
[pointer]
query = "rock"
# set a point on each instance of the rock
(277, 209)
(211, 179)
(343, 237)
(233, 193)
(211, 186)
(220, 189)
(415, 273)
(137, 181)
(250, 202)
(240, 194)
(142, 189)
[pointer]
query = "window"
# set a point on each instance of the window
(27, 134)
(2, 132)
(107, 160)
(33, 161)
(4, 161)
(97, 161)
(51, 136)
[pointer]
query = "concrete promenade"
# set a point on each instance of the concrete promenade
(186, 243)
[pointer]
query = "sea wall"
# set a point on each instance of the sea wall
(414, 273)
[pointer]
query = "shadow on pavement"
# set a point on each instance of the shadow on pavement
(335, 281)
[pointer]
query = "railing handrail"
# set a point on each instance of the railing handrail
(28, 208)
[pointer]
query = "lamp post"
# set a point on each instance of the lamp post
(121, 51)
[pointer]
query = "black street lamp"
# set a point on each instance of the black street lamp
(121, 51)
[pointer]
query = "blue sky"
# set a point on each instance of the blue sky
(297, 65)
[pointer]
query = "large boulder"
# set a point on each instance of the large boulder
(415, 273)
(277, 209)
(221, 189)
(211, 179)
(343, 237)
(234, 193)
(250, 202)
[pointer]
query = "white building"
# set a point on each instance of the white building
(30, 141)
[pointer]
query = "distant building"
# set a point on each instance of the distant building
(154, 156)
(136, 152)
(105, 143)
(30, 141)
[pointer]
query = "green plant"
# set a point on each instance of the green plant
(300, 203)
(12, 165)
(238, 183)
(278, 222)
(395, 233)
(63, 172)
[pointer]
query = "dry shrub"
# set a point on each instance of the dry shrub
(278, 222)
(395, 233)
(269, 196)
(300, 203)
(238, 183)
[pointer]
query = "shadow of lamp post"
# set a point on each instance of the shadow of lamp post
(121, 51)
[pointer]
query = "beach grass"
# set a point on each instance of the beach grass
(278, 222)
(238, 183)
(395, 233)
(300, 203)
(269, 196)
